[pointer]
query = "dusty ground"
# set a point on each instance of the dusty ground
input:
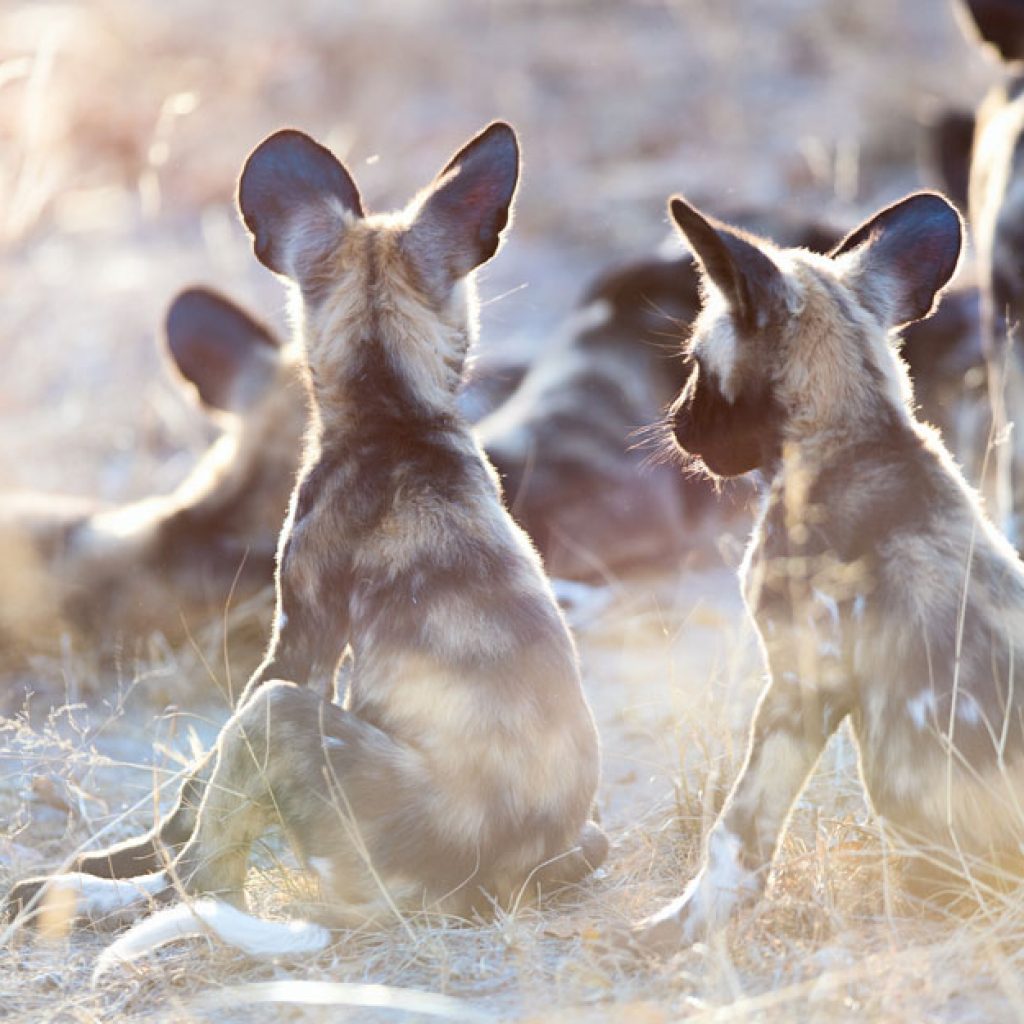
(122, 127)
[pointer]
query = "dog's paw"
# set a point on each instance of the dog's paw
(707, 903)
(49, 906)
(658, 937)
(55, 903)
(675, 926)
(23, 901)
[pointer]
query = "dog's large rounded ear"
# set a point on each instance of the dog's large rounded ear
(217, 347)
(751, 283)
(904, 256)
(296, 198)
(1000, 23)
(461, 216)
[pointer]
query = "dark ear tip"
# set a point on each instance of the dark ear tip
(501, 134)
(689, 219)
(186, 302)
(197, 310)
(935, 200)
(283, 141)
(497, 145)
(501, 129)
(187, 308)
(936, 205)
(678, 207)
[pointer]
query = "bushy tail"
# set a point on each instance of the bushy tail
(252, 935)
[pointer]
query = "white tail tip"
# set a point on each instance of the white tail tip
(252, 935)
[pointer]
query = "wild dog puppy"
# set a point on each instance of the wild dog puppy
(996, 206)
(879, 589)
(109, 577)
(461, 768)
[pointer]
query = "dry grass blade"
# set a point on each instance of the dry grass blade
(347, 994)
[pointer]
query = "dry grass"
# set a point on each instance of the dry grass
(672, 680)
(122, 127)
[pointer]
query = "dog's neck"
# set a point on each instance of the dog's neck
(385, 380)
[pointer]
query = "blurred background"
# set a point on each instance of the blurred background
(123, 126)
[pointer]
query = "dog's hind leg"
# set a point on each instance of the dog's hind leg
(302, 647)
(161, 844)
(286, 758)
(130, 861)
(258, 758)
(269, 767)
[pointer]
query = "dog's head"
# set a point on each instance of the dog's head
(789, 342)
(394, 287)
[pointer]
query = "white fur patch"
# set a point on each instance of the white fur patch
(829, 603)
(920, 707)
(324, 867)
(828, 646)
(724, 872)
(252, 935)
(719, 349)
(98, 897)
(967, 709)
(714, 893)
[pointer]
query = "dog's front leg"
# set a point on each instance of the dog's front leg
(311, 620)
(791, 726)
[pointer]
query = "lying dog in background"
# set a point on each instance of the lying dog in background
(108, 577)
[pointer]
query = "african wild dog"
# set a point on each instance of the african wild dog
(569, 442)
(879, 589)
(565, 443)
(459, 773)
(946, 363)
(987, 152)
(110, 576)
